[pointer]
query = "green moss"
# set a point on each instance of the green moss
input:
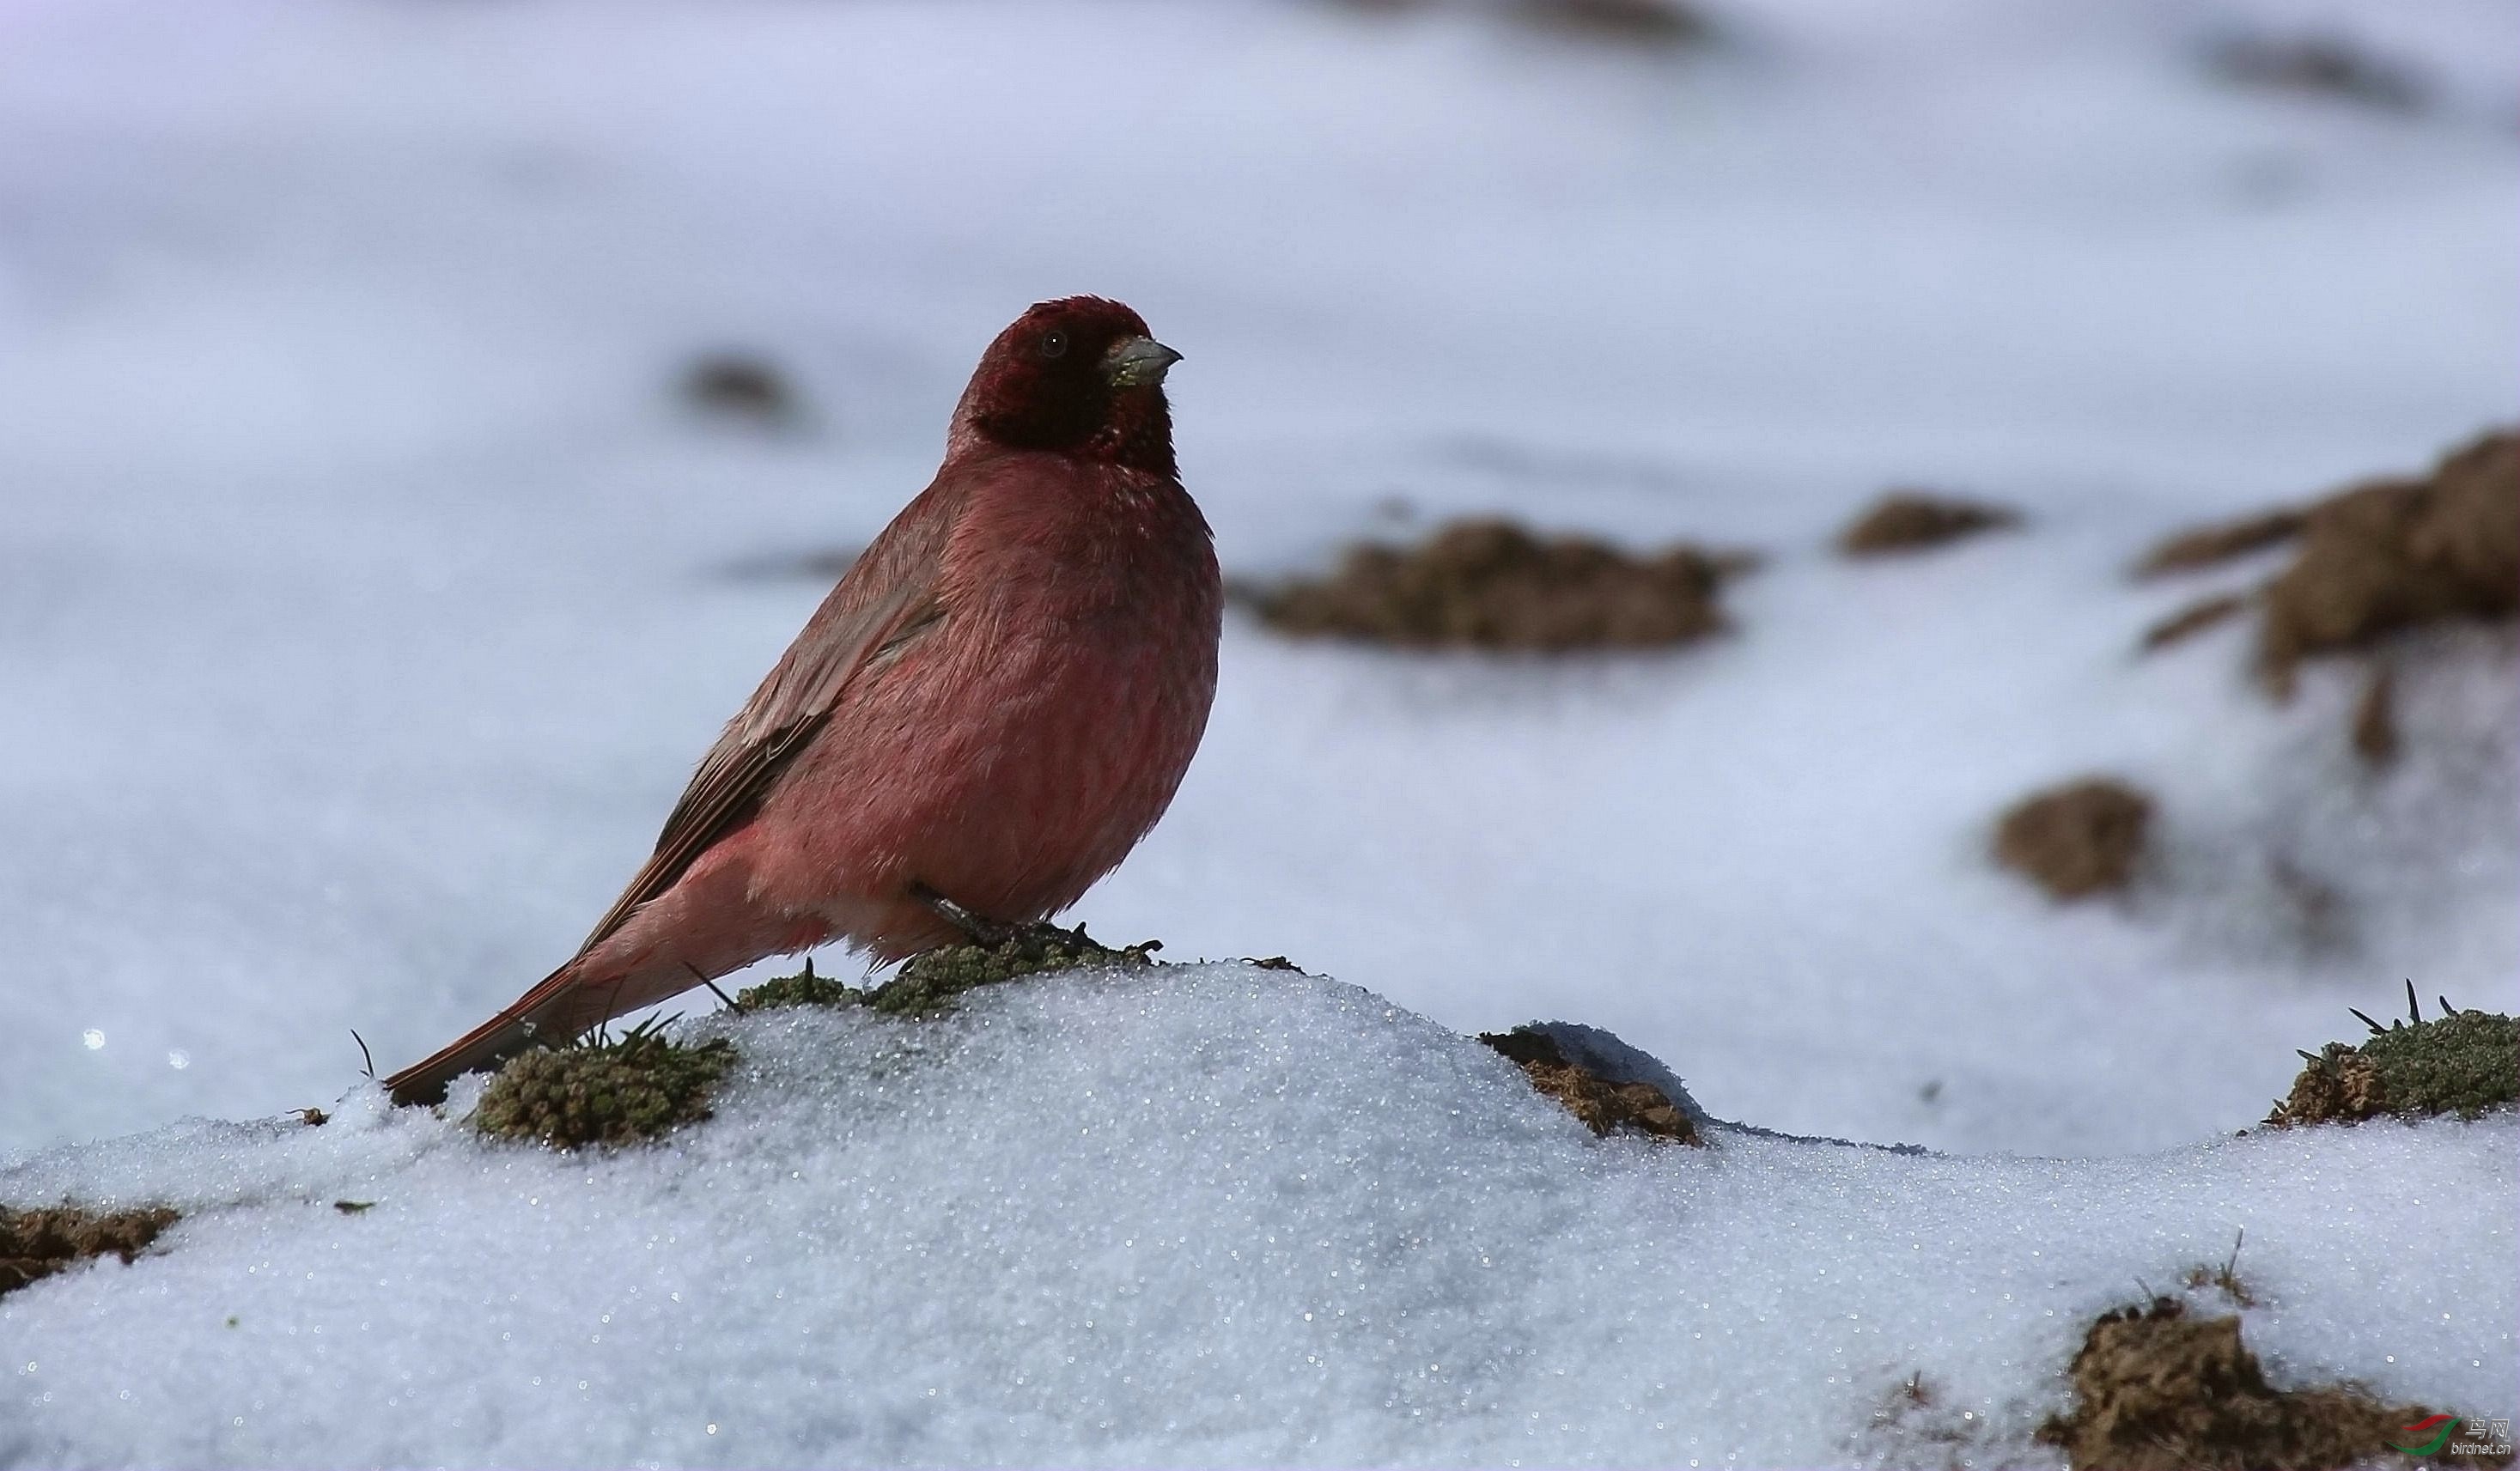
(803, 989)
(931, 982)
(603, 1091)
(2463, 1063)
(2460, 1062)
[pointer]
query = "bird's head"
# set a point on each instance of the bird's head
(1079, 376)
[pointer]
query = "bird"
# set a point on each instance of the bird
(991, 708)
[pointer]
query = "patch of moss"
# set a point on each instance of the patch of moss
(614, 1091)
(1599, 1104)
(803, 989)
(930, 981)
(35, 1244)
(2156, 1390)
(2460, 1062)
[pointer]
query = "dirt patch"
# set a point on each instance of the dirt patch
(2078, 840)
(606, 1091)
(2194, 618)
(2395, 554)
(2317, 66)
(738, 386)
(1493, 584)
(2460, 1062)
(2156, 1390)
(2208, 546)
(2375, 720)
(1911, 521)
(2379, 557)
(1602, 1105)
(35, 1244)
(1657, 24)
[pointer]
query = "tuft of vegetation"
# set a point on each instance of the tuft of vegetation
(2226, 1278)
(803, 989)
(1601, 1105)
(2156, 1390)
(929, 982)
(35, 1244)
(2460, 1062)
(604, 1091)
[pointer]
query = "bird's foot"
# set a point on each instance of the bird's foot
(976, 929)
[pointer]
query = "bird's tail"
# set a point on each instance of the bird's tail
(558, 1008)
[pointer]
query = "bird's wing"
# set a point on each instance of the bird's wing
(887, 596)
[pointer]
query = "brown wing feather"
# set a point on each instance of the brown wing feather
(888, 596)
(890, 587)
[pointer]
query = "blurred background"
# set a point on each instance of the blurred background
(423, 421)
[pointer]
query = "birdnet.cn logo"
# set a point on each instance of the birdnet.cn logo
(2449, 1435)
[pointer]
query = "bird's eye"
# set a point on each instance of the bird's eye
(1054, 344)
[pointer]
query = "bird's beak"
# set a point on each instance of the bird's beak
(1138, 362)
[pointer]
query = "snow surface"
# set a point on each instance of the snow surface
(1212, 1215)
(365, 598)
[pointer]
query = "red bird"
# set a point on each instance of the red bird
(986, 714)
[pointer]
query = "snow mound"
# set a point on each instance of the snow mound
(1196, 1214)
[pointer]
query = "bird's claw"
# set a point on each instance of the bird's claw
(976, 929)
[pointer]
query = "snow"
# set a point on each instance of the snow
(1211, 1215)
(365, 596)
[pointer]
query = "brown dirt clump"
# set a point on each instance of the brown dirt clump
(2206, 546)
(2375, 720)
(2317, 66)
(35, 1244)
(2194, 618)
(2375, 557)
(1602, 1105)
(609, 1092)
(2464, 1063)
(739, 385)
(1909, 522)
(1493, 584)
(1635, 23)
(2398, 552)
(2156, 1390)
(2077, 839)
